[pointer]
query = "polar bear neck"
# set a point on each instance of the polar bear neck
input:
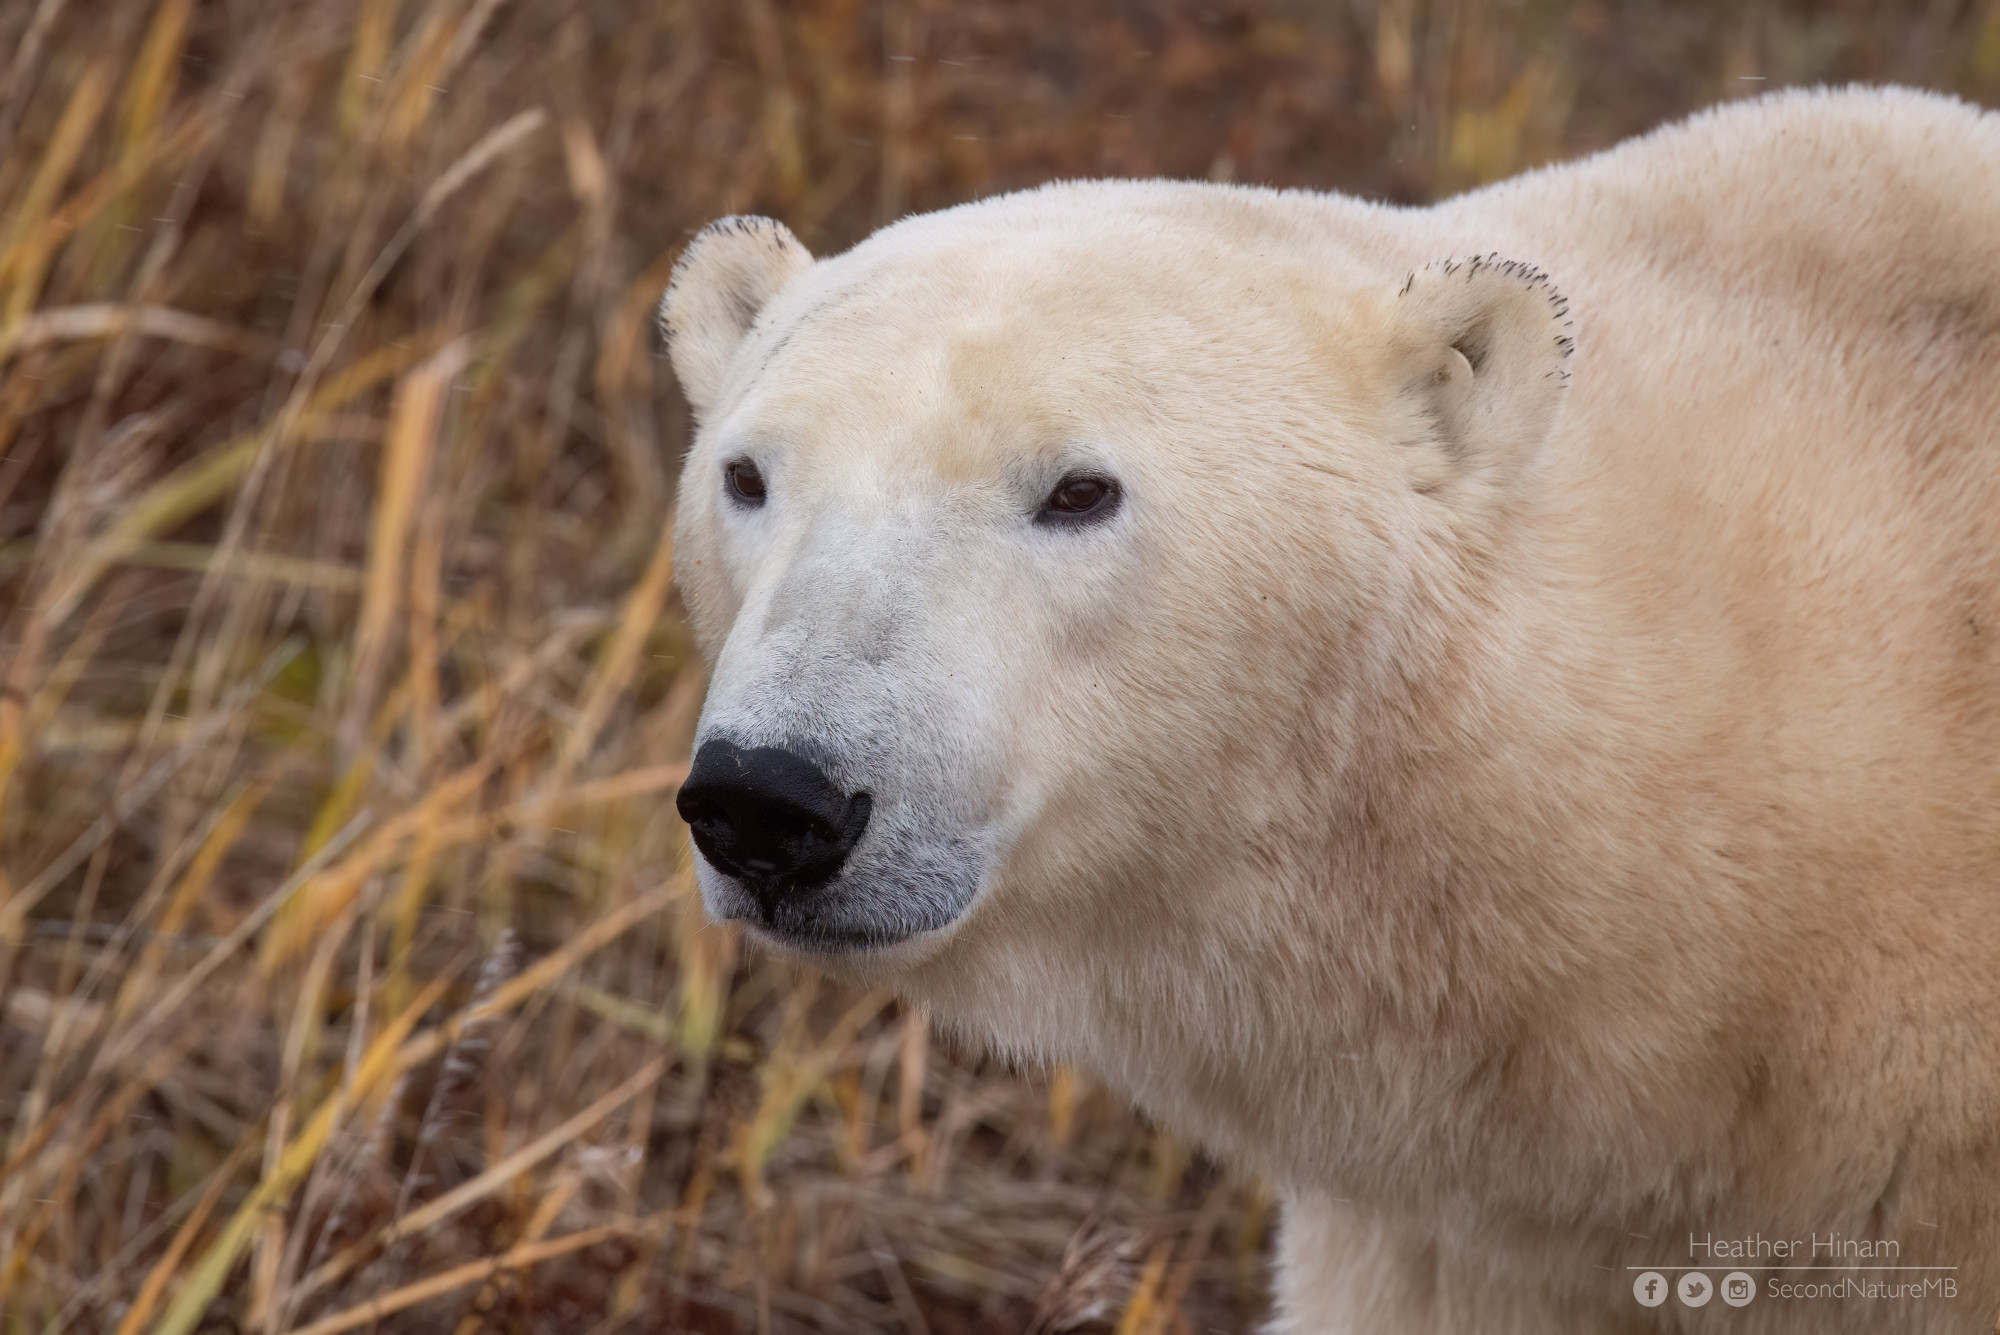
(1408, 869)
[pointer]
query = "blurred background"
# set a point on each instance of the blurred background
(351, 975)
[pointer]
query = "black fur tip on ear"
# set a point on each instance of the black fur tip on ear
(724, 278)
(1480, 346)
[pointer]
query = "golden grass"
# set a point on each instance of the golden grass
(352, 973)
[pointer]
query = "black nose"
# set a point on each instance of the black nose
(768, 817)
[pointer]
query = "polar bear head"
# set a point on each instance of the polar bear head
(1059, 550)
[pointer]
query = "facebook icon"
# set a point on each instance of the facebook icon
(1650, 1289)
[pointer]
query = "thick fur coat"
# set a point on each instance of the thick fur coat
(1517, 763)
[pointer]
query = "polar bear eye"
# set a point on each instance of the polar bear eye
(1080, 498)
(744, 483)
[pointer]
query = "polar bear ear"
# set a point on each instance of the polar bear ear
(725, 276)
(1477, 361)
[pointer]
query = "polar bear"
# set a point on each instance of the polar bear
(1486, 715)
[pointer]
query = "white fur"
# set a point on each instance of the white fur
(1529, 824)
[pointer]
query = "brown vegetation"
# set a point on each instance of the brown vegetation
(352, 976)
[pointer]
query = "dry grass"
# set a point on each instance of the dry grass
(352, 975)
